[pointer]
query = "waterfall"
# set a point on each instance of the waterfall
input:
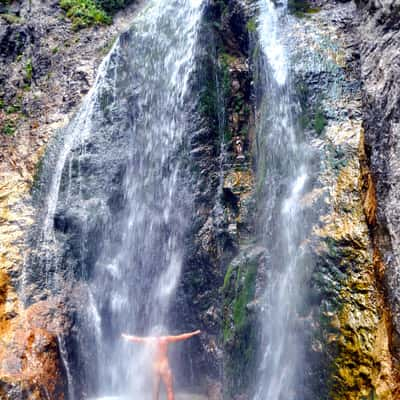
(118, 203)
(282, 170)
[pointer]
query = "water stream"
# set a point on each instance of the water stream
(119, 194)
(118, 203)
(283, 171)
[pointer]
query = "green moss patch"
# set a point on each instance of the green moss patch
(29, 70)
(245, 295)
(251, 25)
(11, 18)
(84, 13)
(9, 127)
(301, 8)
(239, 325)
(319, 122)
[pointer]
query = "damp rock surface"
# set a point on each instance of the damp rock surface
(379, 32)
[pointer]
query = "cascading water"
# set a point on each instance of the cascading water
(282, 171)
(119, 195)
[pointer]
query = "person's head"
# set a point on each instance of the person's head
(158, 330)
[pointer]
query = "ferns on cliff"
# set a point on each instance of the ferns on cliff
(84, 13)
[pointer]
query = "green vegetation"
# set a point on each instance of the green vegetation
(209, 101)
(319, 122)
(238, 290)
(210, 97)
(227, 278)
(11, 18)
(304, 121)
(55, 50)
(15, 108)
(36, 175)
(28, 75)
(251, 25)
(239, 325)
(245, 296)
(228, 136)
(9, 127)
(310, 115)
(28, 71)
(238, 102)
(84, 13)
(225, 61)
(336, 157)
(301, 8)
(12, 112)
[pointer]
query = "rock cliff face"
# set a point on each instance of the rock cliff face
(348, 315)
(345, 67)
(379, 32)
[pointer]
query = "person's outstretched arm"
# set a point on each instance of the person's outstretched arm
(184, 336)
(136, 339)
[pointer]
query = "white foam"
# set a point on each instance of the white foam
(271, 40)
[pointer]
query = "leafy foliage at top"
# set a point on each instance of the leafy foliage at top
(84, 13)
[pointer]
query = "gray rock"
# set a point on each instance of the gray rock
(379, 32)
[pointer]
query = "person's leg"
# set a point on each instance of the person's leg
(156, 386)
(169, 383)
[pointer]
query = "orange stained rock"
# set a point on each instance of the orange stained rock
(369, 192)
(29, 354)
(240, 182)
(361, 334)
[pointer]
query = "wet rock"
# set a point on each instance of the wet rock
(29, 352)
(347, 318)
(221, 189)
(240, 324)
(380, 40)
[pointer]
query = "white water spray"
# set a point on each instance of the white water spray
(283, 166)
(136, 112)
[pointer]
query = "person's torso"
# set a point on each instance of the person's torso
(160, 355)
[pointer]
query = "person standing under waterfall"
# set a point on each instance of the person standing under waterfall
(161, 368)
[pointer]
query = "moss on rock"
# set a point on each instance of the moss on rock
(354, 318)
(240, 322)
